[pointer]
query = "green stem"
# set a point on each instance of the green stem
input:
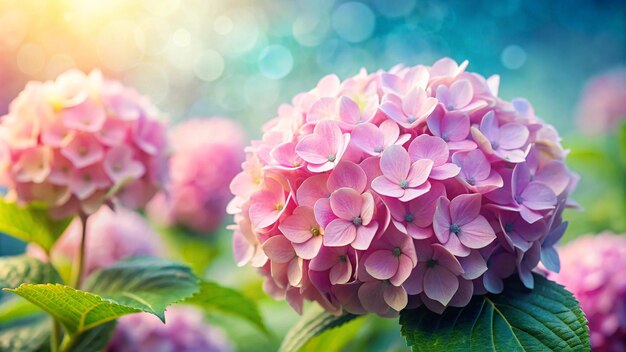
(77, 270)
(54, 337)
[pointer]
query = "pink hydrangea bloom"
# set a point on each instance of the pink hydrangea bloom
(602, 106)
(184, 331)
(592, 268)
(206, 156)
(80, 141)
(415, 185)
(111, 236)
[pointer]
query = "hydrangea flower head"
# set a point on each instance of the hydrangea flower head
(80, 141)
(206, 156)
(414, 186)
(111, 236)
(593, 270)
(185, 331)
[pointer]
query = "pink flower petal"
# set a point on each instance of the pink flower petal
(364, 236)
(368, 138)
(323, 212)
(346, 203)
(384, 186)
(299, 226)
(308, 249)
(405, 267)
(395, 297)
(339, 233)
(371, 295)
(395, 163)
(312, 189)
(347, 174)
(340, 273)
(279, 249)
(382, 264)
(441, 221)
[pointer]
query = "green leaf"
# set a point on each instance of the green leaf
(313, 322)
(547, 318)
(22, 269)
(31, 224)
(93, 340)
(26, 335)
(335, 339)
(16, 308)
(76, 310)
(215, 298)
(144, 283)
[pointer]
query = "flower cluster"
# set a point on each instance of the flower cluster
(207, 155)
(80, 141)
(603, 103)
(185, 331)
(111, 236)
(394, 189)
(593, 270)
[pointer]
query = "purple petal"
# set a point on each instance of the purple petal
(537, 196)
(489, 127)
(513, 136)
(474, 265)
(477, 233)
(440, 284)
(323, 213)
(465, 208)
(474, 165)
(456, 126)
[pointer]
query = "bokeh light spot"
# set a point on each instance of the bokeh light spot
(118, 48)
(353, 21)
(181, 37)
(209, 66)
(275, 62)
(395, 8)
(223, 25)
(513, 57)
(31, 58)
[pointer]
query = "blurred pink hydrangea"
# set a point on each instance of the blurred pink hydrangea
(603, 104)
(184, 331)
(80, 141)
(594, 270)
(394, 189)
(111, 236)
(207, 155)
